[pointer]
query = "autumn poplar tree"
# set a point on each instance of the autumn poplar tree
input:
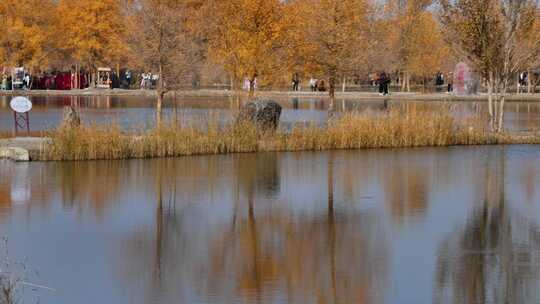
(424, 48)
(417, 47)
(498, 37)
(162, 43)
(92, 32)
(247, 38)
(333, 36)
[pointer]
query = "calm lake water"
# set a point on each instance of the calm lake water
(430, 225)
(132, 112)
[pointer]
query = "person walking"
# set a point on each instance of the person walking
(143, 81)
(295, 82)
(26, 82)
(383, 81)
(313, 84)
(450, 88)
(522, 83)
(439, 81)
(246, 84)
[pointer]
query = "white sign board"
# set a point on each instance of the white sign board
(20, 104)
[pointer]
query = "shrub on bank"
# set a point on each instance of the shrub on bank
(88, 142)
(410, 127)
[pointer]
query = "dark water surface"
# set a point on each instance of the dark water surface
(441, 225)
(132, 112)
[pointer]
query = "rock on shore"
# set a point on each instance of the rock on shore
(264, 113)
(22, 148)
(14, 153)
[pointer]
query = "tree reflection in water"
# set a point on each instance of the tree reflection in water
(265, 251)
(495, 257)
(327, 257)
(285, 227)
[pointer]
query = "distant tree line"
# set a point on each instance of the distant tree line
(268, 41)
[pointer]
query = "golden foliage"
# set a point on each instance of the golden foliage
(247, 36)
(266, 38)
(426, 48)
(92, 32)
(27, 37)
(331, 36)
(163, 39)
(416, 38)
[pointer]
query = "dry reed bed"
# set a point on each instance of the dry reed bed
(414, 127)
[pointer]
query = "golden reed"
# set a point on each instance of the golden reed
(410, 127)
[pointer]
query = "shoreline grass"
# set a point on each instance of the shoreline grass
(395, 128)
(4, 135)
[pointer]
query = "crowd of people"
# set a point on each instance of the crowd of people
(317, 85)
(380, 80)
(146, 80)
(69, 80)
(57, 80)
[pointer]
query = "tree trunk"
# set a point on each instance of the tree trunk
(408, 82)
(253, 84)
(160, 91)
(490, 100)
(496, 89)
(501, 108)
(332, 89)
(160, 95)
(501, 114)
(252, 88)
(332, 94)
(29, 84)
(94, 79)
(344, 84)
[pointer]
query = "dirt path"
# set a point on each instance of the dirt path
(276, 94)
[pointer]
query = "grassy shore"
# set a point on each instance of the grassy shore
(412, 127)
